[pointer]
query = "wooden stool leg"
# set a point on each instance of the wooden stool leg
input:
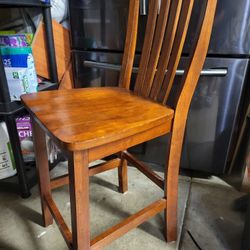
(123, 175)
(171, 188)
(171, 215)
(79, 198)
(43, 170)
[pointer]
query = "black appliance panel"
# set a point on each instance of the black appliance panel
(99, 24)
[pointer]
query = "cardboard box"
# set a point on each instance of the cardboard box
(17, 81)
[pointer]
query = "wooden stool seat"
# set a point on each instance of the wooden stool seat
(85, 118)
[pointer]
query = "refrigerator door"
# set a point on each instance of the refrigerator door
(212, 114)
(101, 25)
(231, 29)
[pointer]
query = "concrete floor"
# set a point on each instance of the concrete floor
(209, 222)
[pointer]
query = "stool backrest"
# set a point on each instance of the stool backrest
(166, 30)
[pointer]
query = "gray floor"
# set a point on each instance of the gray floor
(209, 220)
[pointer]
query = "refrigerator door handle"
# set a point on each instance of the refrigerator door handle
(208, 72)
(143, 8)
(205, 72)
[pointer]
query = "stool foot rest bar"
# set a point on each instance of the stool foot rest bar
(130, 223)
(102, 167)
(158, 180)
(59, 220)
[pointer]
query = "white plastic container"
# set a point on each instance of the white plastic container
(7, 163)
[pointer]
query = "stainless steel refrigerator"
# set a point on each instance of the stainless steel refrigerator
(98, 31)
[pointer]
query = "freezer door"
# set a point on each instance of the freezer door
(213, 115)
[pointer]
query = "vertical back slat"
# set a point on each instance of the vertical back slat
(167, 47)
(130, 44)
(197, 54)
(177, 49)
(156, 48)
(148, 40)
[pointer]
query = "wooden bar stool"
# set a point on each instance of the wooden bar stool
(92, 123)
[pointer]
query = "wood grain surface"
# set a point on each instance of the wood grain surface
(86, 118)
(62, 50)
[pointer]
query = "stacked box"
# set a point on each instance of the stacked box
(17, 82)
(16, 40)
(20, 71)
(24, 129)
